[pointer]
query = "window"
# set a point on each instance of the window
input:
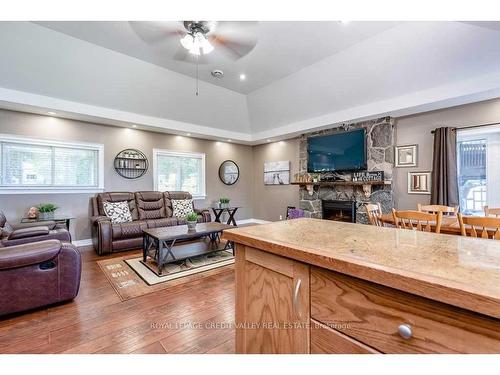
(29, 165)
(472, 175)
(478, 151)
(184, 171)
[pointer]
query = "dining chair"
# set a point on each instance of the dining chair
(418, 220)
(435, 208)
(374, 210)
(491, 211)
(482, 227)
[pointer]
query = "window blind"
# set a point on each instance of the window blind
(29, 165)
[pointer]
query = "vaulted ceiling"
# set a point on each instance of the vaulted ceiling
(283, 48)
(299, 76)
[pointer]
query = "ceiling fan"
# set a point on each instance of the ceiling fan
(198, 39)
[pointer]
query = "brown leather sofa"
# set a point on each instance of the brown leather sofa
(149, 209)
(11, 235)
(38, 274)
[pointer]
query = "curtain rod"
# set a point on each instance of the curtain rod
(471, 126)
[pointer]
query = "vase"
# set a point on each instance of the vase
(191, 225)
(45, 215)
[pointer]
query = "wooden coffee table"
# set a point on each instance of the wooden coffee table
(162, 244)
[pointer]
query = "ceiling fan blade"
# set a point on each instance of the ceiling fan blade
(232, 49)
(234, 39)
(244, 32)
(157, 32)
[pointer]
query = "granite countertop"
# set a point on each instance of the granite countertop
(463, 272)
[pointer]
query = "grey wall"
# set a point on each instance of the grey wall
(270, 201)
(115, 139)
(417, 130)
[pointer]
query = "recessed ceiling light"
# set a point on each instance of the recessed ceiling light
(188, 134)
(268, 140)
(243, 77)
(134, 126)
(229, 140)
(51, 113)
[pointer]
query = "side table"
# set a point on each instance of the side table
(230, 210)
(58, 219)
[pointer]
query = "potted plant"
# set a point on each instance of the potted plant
(46, 211)
(224, 202)
(192, 219)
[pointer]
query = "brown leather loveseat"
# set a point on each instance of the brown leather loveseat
(149, 209)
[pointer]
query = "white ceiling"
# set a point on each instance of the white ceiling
(282, 48)
(300, 76)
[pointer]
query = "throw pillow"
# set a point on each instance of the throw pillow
(118, 212)
(182, 207)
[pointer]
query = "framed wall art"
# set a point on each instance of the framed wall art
(406, 156)
(277, 172)
(419, 182)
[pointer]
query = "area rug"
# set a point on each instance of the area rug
(148, 270)
(131, 278)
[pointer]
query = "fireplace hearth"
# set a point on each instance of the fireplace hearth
(339, 210)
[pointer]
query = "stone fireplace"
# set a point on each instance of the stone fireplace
(380, 157)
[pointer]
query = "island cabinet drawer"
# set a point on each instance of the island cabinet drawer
(392, 321)
(325, 340)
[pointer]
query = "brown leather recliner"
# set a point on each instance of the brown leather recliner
(38, 274)
(149, 209)
(11, 235)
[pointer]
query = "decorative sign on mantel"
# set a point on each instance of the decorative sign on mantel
(368, 176)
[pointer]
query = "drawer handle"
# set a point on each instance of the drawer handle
(296, 298)
(405, 331)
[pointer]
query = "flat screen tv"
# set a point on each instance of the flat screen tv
(337, 152)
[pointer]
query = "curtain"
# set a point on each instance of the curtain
(444, 188)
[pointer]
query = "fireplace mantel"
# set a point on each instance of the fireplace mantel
(367, 185)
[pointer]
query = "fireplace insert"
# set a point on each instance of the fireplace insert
(339, 210)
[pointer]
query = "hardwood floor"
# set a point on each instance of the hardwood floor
(195, 317)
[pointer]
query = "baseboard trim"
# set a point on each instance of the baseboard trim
(88, 241)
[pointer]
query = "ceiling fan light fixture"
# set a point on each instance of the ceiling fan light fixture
(197, 43)
(187, 42)
(207, 46)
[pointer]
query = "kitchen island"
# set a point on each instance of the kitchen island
(317, 286)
